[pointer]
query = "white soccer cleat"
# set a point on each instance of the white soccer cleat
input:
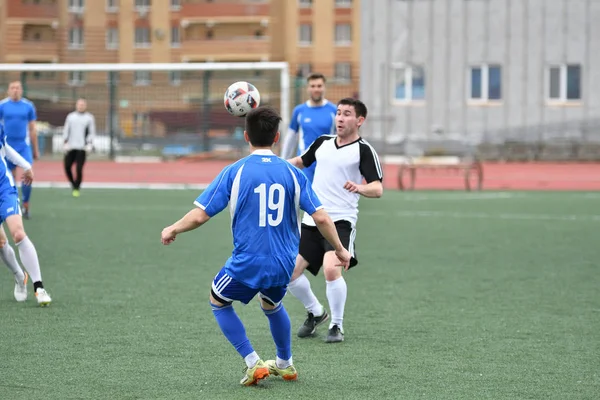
(43, 298)
(21, 288)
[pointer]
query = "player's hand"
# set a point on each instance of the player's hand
(352, 187)
(168, 236)
(28, 177)
(344, 257)
(89, 147)
(66, 147)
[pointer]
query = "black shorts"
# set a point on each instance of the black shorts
(313, 245)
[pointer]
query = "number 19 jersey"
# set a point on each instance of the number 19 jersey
(265, 195)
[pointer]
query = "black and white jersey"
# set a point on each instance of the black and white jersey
(335, 166)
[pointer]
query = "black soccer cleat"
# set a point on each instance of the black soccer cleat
(335, 335)
(310, 325)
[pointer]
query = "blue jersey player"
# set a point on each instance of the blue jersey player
(309, 121)
(265, 194)
(18, 115)
(10, 214)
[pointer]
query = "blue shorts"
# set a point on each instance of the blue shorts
(226, 290)
(25, 152)
(9, 205)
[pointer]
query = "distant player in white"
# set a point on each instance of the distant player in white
(78, 134)
(342, 162)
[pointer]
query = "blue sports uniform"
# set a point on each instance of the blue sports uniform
(264, 193)
(310, 122)
(9, 196)
(16, 116)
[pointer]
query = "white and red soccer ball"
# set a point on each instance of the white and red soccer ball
(241, 97)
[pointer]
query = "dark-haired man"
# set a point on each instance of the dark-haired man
(309, 120)
(343, 161)
(265, 194)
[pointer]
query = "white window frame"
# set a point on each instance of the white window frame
(175, 5)
(347, 67)
(306, 69)
(408, 78)
(76, 6)
(304, 3)
(112, 45)
(175, 78)
(112, 6)
(76, 78)
(485, 89)
(142, 45)
(338, 31)
(343, 3)
(563, 84)
(302, 42)
(144, 7)
(142, 78)
(175, 36)
(77, 41)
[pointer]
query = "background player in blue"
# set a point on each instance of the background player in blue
(309, 120)
(19, 116)
(265, 194)
(10, 214)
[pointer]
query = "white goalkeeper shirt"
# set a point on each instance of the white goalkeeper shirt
(79, 130)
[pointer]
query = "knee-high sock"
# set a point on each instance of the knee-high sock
(234, 330)
(281, 330)
(337, 292)
(26, 192)
(300, 288)
(10, 259)
(30, 260)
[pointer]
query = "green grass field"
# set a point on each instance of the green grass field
(457, 296)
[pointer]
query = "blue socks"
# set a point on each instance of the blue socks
(26, 192)
(281, 330)
(233, 329)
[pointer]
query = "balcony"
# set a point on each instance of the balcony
(225, 12)
(226, 49)
(27, 11)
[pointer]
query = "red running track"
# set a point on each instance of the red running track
(497, 176)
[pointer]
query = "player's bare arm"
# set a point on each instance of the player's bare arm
(372, 190)
(327, 229)
(17, 159)
(296, 162)
(34, 139)
(190, 221)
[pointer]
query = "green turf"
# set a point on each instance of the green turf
(458, 296)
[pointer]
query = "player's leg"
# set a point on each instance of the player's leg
(68, 163)
(224, 291)
(79, 163)
(10, 259)
(281, 330)
(27, 251)
(26, 189)
(337, 290)
(310, 258)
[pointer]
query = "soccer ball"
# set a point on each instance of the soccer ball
(241, 97)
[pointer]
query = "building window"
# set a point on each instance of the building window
(486, 83)
(76, 78)
(343, 3)
(142, 78)
(76, 38)
(143, 4)
(564, 83)
(304, 69)
(142, 37)
(112, 38)
(343, 34)
(175, 36)
(112, 6)
(343, 71)
(175, 5)
(305, 3)
(409, 83)
(305, 34)
(76, 6)
(141, 123)
(175, 78)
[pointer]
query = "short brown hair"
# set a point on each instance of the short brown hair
(315, 75)
(262, 125)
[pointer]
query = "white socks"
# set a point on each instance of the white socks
(29, 258)
(300, 288)
(337, 291)
(283, 364)
(10, 259)
(251, 359)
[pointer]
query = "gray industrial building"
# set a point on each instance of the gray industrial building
(493, 73)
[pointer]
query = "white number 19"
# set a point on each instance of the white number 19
(276, 191)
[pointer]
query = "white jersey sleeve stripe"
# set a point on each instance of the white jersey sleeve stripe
(235, 191)
(375, 158)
